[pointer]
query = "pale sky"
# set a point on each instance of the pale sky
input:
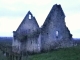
(12, 13)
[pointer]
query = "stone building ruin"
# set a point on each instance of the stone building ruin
(26, 37)
(53, 34)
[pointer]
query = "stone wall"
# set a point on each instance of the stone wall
(54, 29)
(52, 35)
(28, 34)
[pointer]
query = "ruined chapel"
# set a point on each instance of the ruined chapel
(53, 34)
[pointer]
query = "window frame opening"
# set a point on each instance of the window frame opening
(57, 34)
(29, 16)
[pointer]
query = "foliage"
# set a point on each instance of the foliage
(2, 57)
(72, 53)
(6, 40)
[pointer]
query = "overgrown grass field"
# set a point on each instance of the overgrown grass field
(72, 53)
(61, 54)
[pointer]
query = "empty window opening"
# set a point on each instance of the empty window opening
(57, 33)
(29, 16)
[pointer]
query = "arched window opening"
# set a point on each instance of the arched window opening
(29, 16)
(57, 33)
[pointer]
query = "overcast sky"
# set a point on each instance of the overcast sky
(12, 13)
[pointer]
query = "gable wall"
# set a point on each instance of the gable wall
(47, 38)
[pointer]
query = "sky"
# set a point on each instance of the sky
(12, 12)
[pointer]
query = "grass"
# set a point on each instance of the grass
(2, 57)
(72, 53)
(62, 54)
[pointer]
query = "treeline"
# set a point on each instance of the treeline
(76, 41)
(6, 40)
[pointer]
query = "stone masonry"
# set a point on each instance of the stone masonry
(53, 34)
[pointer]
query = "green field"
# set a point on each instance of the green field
(2, 57)
(61, 54)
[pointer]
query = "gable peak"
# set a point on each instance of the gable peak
(29, 12)
(58, 9)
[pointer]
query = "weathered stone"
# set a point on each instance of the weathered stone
(53, 34)
(54, 29)
(27, 34)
